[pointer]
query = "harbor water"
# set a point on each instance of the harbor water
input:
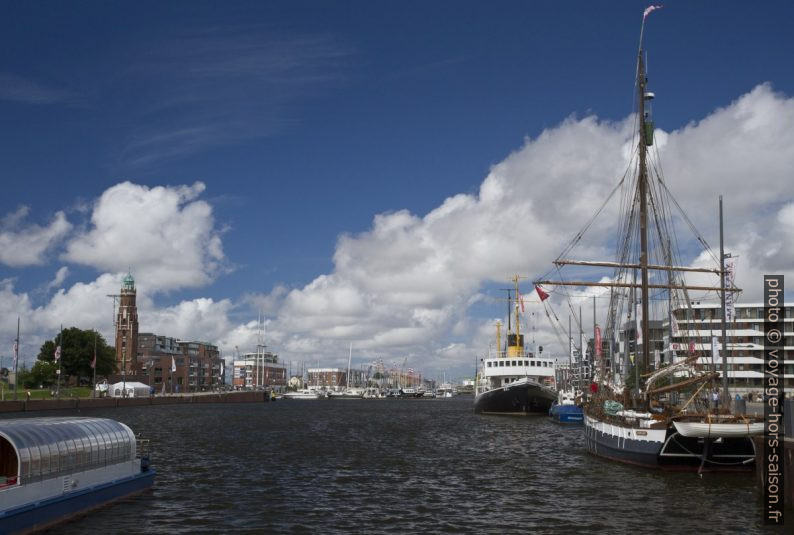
(399, 466)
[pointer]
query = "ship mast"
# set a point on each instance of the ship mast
(498, 337)
(643, 187)
(518, 328)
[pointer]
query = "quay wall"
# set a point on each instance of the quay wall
(96, 403)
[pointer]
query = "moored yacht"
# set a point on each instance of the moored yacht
(347, 393)
(303, 393)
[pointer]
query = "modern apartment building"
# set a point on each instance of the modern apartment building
(259, 370)
(745, 342)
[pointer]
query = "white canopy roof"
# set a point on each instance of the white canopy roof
(133, 389)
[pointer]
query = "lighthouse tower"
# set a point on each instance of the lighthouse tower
(127, 328)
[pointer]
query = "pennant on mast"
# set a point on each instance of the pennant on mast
(649, 9)
(543, 295)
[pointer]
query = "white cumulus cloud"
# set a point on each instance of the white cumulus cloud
(165, 235)
(424, 287)
(27, 245)
(406, 285)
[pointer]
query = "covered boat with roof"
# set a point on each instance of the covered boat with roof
(55, 468)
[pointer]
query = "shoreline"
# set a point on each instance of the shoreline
(108, 402)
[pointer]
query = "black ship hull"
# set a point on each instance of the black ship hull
(523, 397)
(666, 449)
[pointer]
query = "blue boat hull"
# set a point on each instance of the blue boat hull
(46, 513)
(567, 414)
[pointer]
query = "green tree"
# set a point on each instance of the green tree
(42, 374)
(77, 352)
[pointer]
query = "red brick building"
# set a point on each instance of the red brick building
(127, 328)
(162, 362)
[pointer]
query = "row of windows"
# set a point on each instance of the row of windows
(716, 313)
(788, 327)
(733, 340)
(758, 383)
(787, 369)
(503, 363)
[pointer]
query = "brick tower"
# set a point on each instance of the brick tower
(127, 328)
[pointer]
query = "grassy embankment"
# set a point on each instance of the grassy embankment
(47, 393)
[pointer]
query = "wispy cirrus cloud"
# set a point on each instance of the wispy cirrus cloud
(217, 86)
(20, 89)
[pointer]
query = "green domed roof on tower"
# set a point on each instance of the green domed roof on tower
(128, 283)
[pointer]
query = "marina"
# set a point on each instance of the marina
(458, 267)
(396, 466)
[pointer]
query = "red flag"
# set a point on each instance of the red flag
(543, 295)
(93, 362)
(521, 300)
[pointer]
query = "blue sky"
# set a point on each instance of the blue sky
(303, 122)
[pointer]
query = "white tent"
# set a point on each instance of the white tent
(133, 389)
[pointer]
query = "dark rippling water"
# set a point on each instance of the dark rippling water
(399, 466)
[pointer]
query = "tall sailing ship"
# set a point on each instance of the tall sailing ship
(511, 380)
(655, 416)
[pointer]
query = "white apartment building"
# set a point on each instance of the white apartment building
(745, 342)
(259, 370)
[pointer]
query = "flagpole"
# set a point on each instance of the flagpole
(16, 361)
(93, 365)
(60, 346)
